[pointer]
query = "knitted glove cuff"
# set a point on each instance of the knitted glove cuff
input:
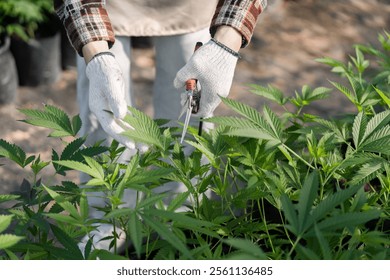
(226, 48)
(100, 62)
(102, 53)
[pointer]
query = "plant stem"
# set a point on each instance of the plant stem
(265, 223)
(298, 156)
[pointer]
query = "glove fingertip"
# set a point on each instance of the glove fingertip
(142, 148)
(125, 141)
(181, 78)
(178, 83)
(130, 145)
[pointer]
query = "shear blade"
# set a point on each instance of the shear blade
(186, 122)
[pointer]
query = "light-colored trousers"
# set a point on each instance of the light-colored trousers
(171, 54)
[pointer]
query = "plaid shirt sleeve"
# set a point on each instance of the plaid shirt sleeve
(85, 21)
(239, 14)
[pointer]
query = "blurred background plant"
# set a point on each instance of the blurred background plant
(22, 18)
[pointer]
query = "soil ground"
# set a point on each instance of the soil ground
(289, 36)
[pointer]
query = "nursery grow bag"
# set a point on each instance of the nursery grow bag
(38, 60)
(8, 73)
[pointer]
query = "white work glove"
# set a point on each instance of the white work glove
(107, 93)
(213, 67)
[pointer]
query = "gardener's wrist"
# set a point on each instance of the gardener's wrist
(229, 37)
(93, 48)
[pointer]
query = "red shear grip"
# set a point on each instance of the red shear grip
(191, 84)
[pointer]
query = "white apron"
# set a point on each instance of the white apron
(159, 17)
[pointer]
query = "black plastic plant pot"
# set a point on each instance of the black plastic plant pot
(38, 60)
(68, 54)
(8, 73)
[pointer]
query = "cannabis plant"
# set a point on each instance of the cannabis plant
(260, 185)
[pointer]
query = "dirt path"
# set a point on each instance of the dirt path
(288, 38)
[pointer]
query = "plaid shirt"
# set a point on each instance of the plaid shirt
(87, 20)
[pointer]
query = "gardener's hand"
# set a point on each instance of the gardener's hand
(107, 92)
(213, 66)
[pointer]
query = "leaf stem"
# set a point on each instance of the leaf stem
(298, 156)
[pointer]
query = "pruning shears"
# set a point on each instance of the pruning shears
(192, 103)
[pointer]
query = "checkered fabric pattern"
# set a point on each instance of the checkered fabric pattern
(239, 14)
(87, 20)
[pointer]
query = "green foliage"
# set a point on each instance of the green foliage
(55, 119)
(260, 185)
(23, 17)
(7, 240)
(14, 153)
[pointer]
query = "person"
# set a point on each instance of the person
(100, 33)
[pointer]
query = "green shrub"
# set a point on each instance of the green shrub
(287, 186)
(22, 18)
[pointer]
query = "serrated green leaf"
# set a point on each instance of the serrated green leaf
(150, 201)
(9, 240)
(148, 176)
(384, 96)
(95, 182)
(367, 172)
(253, 133)
(59, 114)
(117, 213)
(274, 123)
(46, 120)
(379, 121)
(332, 126)
(346, 220)
(75, 165)
(331, 202)
(8, 197)
(247, 247)
(290, 213)
(306, 199)
(38, 165)
(378, 142)
(66, 205)
(269, 93)
(285, 152)
(346, 91)
(248, 112)
(319, 93)
(12, 152)
(11, 255)
(166, 234)
(145, 130)
(130, 171)
(358, 128)
(89, 152)
(67, 241)
(178, 201)
(233, 122)
(205, 150)
(330, 61)
(96, 168)
(76, 124)
(135, 231)
(324, 244)
(306, 253)
(71, 148)
(50, 117)
(64, 218)
(84, 207)
(5, 221)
